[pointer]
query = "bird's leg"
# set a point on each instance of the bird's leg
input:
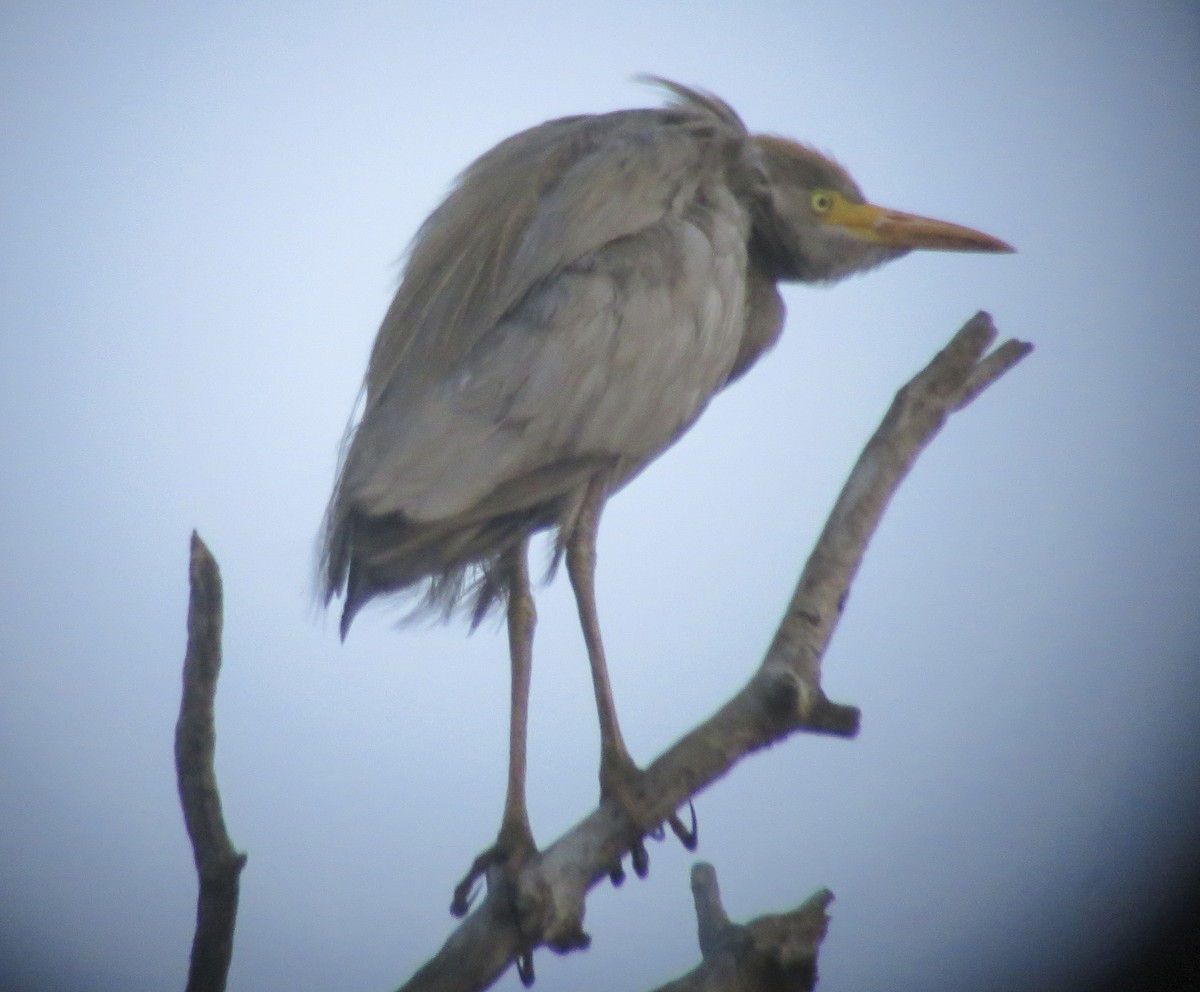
(522, 618)
(620, 777)
(514, 843)
(616, 765)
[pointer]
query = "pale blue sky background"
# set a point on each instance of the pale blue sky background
(202, 207)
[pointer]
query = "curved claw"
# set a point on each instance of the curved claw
(513, 847)
(525, 968)
(466, 890)
(617, 875)
(688, 838)
(639, 858)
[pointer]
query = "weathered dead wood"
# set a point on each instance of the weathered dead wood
(773, 953)
(218, 865)
(544, 906)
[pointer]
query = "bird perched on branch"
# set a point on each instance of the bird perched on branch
(564, 316)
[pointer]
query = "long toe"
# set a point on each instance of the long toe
(513, 848)
(689, 837)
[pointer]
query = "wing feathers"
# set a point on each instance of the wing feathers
(489, 390)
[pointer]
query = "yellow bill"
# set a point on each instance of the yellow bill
(897, 229)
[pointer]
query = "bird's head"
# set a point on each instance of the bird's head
(814, 225)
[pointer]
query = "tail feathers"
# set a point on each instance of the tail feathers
(453, 567)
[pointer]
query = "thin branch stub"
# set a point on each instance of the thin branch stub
(218, 865)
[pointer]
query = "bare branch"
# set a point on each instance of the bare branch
(545, 904)
(769, 954)
(992, 367)
(958, 374)
(218, 865)
(715, 932)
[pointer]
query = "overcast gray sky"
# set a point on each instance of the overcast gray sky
(202, 209)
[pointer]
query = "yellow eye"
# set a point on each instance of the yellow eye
(822, 201)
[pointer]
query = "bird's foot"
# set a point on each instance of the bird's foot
(499, 865)
(513, 848)
(624, 784)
